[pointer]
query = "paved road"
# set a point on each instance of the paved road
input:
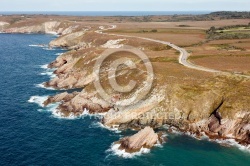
(183, 58)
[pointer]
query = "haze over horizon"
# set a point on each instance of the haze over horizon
(125, 5)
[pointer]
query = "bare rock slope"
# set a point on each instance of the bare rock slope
(145, 138)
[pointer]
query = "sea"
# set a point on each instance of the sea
(105, 13)
(31, 135)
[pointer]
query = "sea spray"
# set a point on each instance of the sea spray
(45, 66)
(114, 149)
(204, 137)
(38, 45)
(100, 125)
(38, 100)
(42, 86)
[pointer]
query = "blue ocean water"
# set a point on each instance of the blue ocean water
(30, 137)
(108, 13)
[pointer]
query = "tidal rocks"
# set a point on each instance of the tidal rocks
(59, 98)
(146, 138)
(76, 103)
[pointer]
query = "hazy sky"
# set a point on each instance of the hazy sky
(123, 5)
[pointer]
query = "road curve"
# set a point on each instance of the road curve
(183, 58)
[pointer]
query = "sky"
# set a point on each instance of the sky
(124, 5)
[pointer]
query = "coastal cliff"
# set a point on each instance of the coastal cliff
(215, 105)
(146, 138)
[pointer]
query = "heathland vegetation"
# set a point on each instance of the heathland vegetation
(214, 103)
(229, 32)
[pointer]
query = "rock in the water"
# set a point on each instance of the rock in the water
(145, 138)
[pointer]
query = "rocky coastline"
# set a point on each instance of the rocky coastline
(218, 107)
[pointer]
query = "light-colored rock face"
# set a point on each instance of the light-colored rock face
(82, 101)
(129, 113)
(113, 44)
(187, 107)
(47, 27)
(67, 30)
(146, 138)
(212, 106)
(3, 23)
(57, 98)
(30, 29)
(3, 26)
(51, 27)
(68, 40)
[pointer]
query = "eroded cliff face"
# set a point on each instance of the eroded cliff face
(3, 25)
(46, 27)
(146, 138)
(217, 106)
(70, 41)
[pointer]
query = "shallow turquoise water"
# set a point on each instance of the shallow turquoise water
(30, 137)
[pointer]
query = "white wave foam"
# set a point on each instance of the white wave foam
(49, 73)
(42, 86)
(53, 109)
(227, 142)
(58, 54)
(38, 100)
(122, 153)
(191, 135)
(233, 143)
(44, 66)
(49, 49)
(97, 115)
(58, 114)
(230, 142)
(158, 144)
(100, 125)
(38, 45)
(52, 33)
(173, 129)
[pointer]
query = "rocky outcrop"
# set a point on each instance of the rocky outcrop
(217, 107)
(129, 113)
(3, 25)
(51, 27)
(60, 97)
(71, 41)
(68, 30)
(76, 103)
(211, 109)
(47, 27)
(146, 138)
(113, 43)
